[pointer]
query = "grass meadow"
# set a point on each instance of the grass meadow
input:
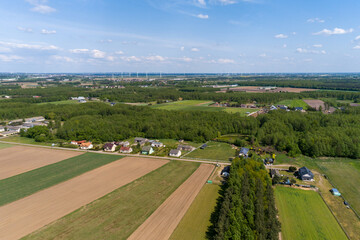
(120, 213)
(304, 215)
(215, 151)
(25, 184)
(196, 221)
(294, 103)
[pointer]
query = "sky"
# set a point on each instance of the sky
(182, 36)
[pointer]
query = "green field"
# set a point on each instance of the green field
(304, 215)
(118, 214)
(196, 221)
(25, 140)
(4, 145)
(61, 102)
(214, 151)
(200, 105)
(294, 103)
(345, 175)
(25, 184)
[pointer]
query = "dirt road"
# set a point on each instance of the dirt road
(24, 216)
(16, 160)
(161, 224)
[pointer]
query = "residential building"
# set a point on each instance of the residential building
(185, 148)
(244, 152)
(2, 129)
(109, 147)
(175, 153)
(126, 150)
(86, 145)
(147, 150)
(305, 174)
(157, 144)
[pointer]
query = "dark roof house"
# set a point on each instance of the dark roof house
(244, 152)
(305, 174)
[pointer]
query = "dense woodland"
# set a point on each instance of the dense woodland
(246, 207)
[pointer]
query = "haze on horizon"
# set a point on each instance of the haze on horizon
(179, 36)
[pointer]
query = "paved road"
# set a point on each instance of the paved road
(112, 153)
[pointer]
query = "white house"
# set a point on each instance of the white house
(86, 146)
(2, 129)
(175, 153)
(157, 144)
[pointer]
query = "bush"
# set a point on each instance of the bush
(292, 169)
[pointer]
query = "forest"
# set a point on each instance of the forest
(246, 206)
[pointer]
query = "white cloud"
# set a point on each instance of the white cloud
(186, 59)
(83, 50)
(5, 49)
(28, 46)
(195, 50)
(336, 31)
(110, 58)
(119, 52)
(28, 30)
(317, 45)
(98, 54)
(263, 55)
(182, 48)
(227, 2)
(202, 2)
(281, 36)
(357, 38)
(155, 58)
(304, 50)
(106, 41)
(131, 59)
(202, 16)
(284, 46)
(44, 31)
(317, 20)
(357, 47)
(225, 60)
(62, 58)
(9, 58)
(40, 6)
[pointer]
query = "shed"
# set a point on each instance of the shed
(335, 192)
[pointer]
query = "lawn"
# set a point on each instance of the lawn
(25, 184)
(304, 215)
(120, 213)
(215, 151)
(25, 140)
(345, 175)
(4, 145)
(196, 221)
(294, 103)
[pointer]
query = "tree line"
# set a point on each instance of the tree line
(246, 207)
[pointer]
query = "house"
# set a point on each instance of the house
(203, 146)
(226, 171)
(305, 174)
(126, 150)
(139, 140)
(335, 192)
(244, 152)
(282, 107)
(86, 145)
(8, 133)
(82, 101)
(77, 142)
(147, 150)
(175, 153)
(14, 128)
(2, 129)
(268, 161)
(109, 147)
(299, 109)
(122, 143)
(185, 148)
(273, 108)
(157, 144)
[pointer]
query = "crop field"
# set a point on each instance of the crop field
(304, 215)
(31, 213)
(121, 212)
(19, 159)
(201, 105)
(161, 224)
(294, 103)
(27, 183)
(345, 175)
(4, 145)
(215, 151)
(196, 221)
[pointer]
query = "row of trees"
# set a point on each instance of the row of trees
(246, 208)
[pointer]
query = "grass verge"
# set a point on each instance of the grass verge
(196, 221)
(120, 213)
(25, 184)
(304, 215)
(4, 145)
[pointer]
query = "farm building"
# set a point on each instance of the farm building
(175, 153)
(34, 119)
(8, 133)
(157, 144)
(126, 150)
(185, 148)
(244, 152)
(147, 150)
(335, 192)
(109, 147)
(305, 174)
(86, 145)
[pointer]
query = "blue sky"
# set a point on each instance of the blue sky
(239, 36)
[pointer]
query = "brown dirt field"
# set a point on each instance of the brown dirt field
(16, 160)
(315, 104)
(24, 216)
(161, 224)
